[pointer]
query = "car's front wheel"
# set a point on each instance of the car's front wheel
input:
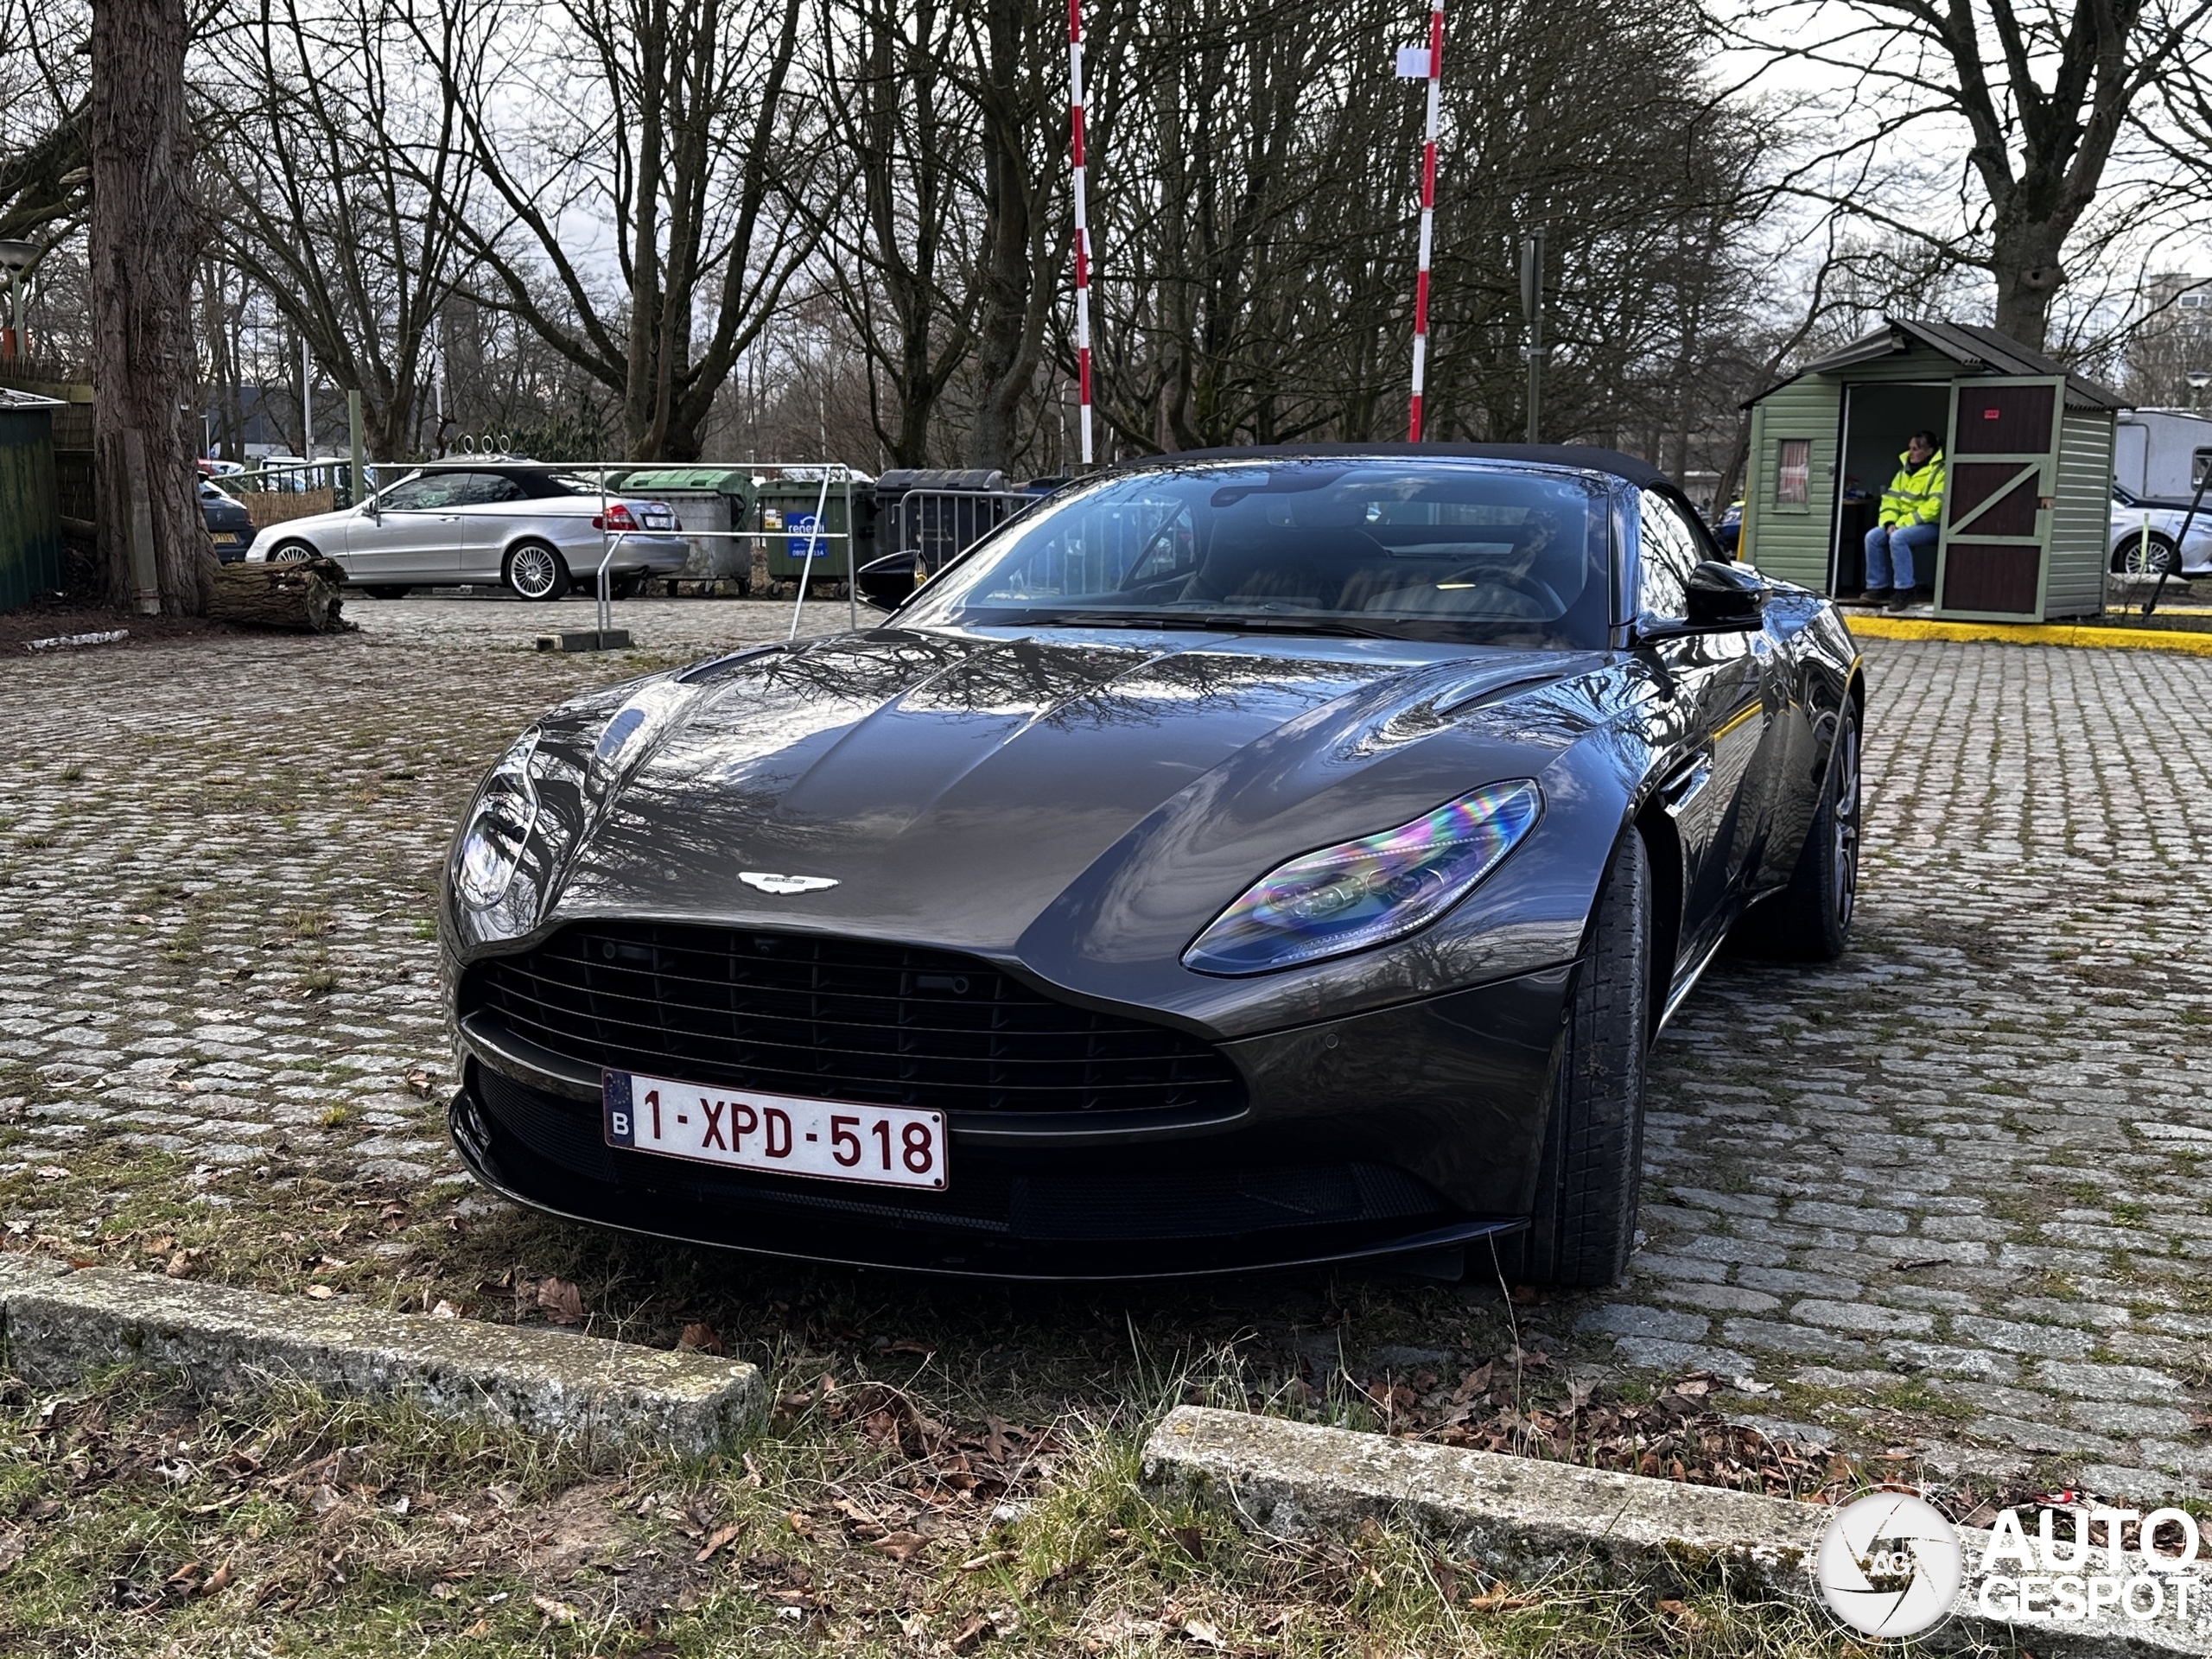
(290, 553)
(536, 572)
(1584, 1223)
(385, 590)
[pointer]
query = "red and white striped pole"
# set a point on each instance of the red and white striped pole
(1427, 211)
(1082, 226)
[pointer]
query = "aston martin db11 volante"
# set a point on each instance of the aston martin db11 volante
(1245, 858)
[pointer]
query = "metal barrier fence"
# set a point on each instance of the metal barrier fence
(801, 471)
(937, 526)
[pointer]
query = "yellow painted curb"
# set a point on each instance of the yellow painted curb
(2017, 633)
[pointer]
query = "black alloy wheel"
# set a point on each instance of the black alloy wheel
(1810, 920)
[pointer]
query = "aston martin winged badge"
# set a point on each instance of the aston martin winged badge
(769, 881)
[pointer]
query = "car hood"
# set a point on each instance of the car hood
(955, 786)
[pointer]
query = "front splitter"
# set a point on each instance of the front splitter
(919, 1251)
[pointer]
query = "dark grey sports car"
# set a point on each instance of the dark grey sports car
(1245, 858)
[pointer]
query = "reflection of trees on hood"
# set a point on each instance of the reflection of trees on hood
(1066, 685)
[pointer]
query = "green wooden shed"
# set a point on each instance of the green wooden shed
(30, 510)
(2027, 508)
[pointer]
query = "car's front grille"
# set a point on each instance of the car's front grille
(1091, 1197)
(835, 1018)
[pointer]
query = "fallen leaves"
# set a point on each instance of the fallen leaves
(699, 1338)
(718, 1539)
(562, 1302)
(321, 1292)
(1002, 1622)
(1501, 1405)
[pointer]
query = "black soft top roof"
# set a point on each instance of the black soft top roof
(1588, 458)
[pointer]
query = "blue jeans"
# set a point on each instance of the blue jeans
(1889, 555)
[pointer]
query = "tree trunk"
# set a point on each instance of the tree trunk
(2026, 261)
(297, 596)
(143, 236)
(1014, 274)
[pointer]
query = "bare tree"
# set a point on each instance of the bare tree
(895, 245)
(144, 236)
(44, 166)
(670, 125)
(2045, 93)
(1018, 84)
(341, 191)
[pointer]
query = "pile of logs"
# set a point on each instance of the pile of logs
(298, 596)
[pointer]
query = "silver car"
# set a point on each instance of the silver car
(2137, 554)
(532, 526)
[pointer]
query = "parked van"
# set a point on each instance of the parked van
(2161, 455)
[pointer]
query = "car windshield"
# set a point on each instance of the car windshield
(1464, 550)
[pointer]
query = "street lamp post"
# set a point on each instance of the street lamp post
(16, 257)
(2198, 379)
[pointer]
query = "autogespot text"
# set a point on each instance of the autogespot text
(2045, 1577)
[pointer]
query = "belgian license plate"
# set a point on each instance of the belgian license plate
(831, 1141)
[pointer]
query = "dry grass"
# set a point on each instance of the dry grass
(953, 1468)
(143, 1522)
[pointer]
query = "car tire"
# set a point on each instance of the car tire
(1810, 920)
(387, 590)
(2127, 558)
(290, 553)
(1583, 1225)
(535, 571)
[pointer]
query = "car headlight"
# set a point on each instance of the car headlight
(499, 827)
(1366, 892)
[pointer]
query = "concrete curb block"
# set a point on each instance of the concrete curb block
(59, 1324)
(1525, 1518)
(589, 640)
(2026, 633)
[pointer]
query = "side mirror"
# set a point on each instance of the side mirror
(1726, 598)
(370, 510)
(889, 581)
(1721, 598)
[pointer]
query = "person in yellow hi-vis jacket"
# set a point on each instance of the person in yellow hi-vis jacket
(1902, 545)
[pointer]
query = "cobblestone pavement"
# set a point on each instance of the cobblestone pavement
(498, 620)
(1946, 1196)
(1957, 1181)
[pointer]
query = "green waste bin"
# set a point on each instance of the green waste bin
(784, 507)
(30, 505)
(705, 499)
